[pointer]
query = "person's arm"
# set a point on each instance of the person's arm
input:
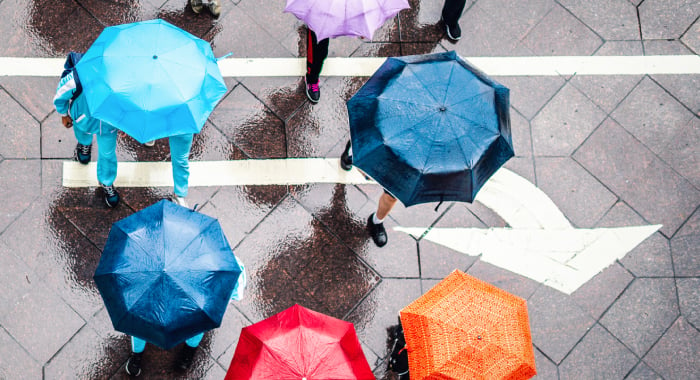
(61, 101)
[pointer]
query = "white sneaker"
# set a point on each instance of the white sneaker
(180, 201)
(150, 143)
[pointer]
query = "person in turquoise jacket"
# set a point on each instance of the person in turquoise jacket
(70, 102)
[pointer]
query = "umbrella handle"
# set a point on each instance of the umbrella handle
(224, 56)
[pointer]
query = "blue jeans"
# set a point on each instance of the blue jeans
(138, 345)
(107, 151)
(180, 146)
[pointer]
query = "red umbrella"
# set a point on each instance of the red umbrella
(299, 343)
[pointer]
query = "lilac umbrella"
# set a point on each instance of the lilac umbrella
(335, 18)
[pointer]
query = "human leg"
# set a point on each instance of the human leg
(451, 12)
(107, 163)
(180, 157)
(133, 365)
(187, 353)
(375, 222)
(316, 54)
(83, 150)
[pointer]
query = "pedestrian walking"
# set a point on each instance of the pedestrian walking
(451, 12)
(71, 103)
(214, 6)
(133, 365)
(180, 146)
(375, 222)
(316, 53)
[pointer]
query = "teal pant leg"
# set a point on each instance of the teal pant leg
(180, 156)
(83, 138)
(194, 341)
(107, 157)
(137, 345)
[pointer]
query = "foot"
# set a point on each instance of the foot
(377, 232)
(454, 32)
(133, 365)
(214, 7)
(186, 357)
(346, 158)
(150, 143)
(196, 5)
(111, 196)
(312, 91)
(179, 201)
(83, 153)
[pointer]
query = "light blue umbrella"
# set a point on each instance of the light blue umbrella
(151, 79)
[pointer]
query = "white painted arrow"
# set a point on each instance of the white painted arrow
(540, 243)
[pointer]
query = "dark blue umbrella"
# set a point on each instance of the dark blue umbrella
(430, 128)
(166, 274)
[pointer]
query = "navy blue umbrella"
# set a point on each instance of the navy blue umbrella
(166, 274)
(430, 128)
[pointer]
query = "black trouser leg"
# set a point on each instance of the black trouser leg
(452, 10)
(316, 53)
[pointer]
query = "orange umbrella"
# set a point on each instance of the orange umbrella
(464, 328)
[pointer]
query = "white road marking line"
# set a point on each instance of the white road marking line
(340, 66)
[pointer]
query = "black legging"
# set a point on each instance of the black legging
(316, 53)
(452, 10)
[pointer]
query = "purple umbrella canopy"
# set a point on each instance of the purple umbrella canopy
(335, 18)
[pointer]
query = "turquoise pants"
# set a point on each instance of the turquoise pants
(180, 146)
(107, 151)
(138, 345)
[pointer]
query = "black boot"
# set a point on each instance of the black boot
(377, 232)
(133, 365)
(346, 158)
(186, 357)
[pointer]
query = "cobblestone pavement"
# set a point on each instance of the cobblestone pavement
(610, 151)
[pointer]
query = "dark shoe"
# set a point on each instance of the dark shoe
(186, 357)
(346, 158)
(196, 5)
(377, 232)
(214, 7)
(83, 153)
(313, 92)
(111, 196)
(453, 32)
(133, 365)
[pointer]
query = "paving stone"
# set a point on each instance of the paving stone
(632, 172)
(523, 166)
(621, 48)
(224, 340)
(94, 222)
(421, 22)
(114, 13)
(642, 313)
(521, 16)
(30, 310)
(682, 87)
(86, 356)
(520, 130)
(16, 362)
(511, 282)
(178, 13)
(606, 91)
(283, 95)
(486, 35)
(40, 28)
(596, 295)
(570, 187)
(556, 322)
(691, 38)
(667, 18)
(273, 19)
(546, 370)
(35, 94)
(59, 254)
(685, 248)
(675, 355)
(564, 123)
(665, 47)
(421, 48)
(19, 185)
(437, 261)
(18, 129)
(380, 309)
(598, 356)
(643, 372)
(529, 94)
(253, 127)
(560, 33)
(652, 257)
(663, 125)
(610, 19)
(688, 296)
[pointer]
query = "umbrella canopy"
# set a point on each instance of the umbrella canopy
(166, 274)
(151, 79)
(335, 18)
(299, 343)
(464, 328)
(430, 128)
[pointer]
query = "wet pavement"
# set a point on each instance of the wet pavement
(610, 151)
